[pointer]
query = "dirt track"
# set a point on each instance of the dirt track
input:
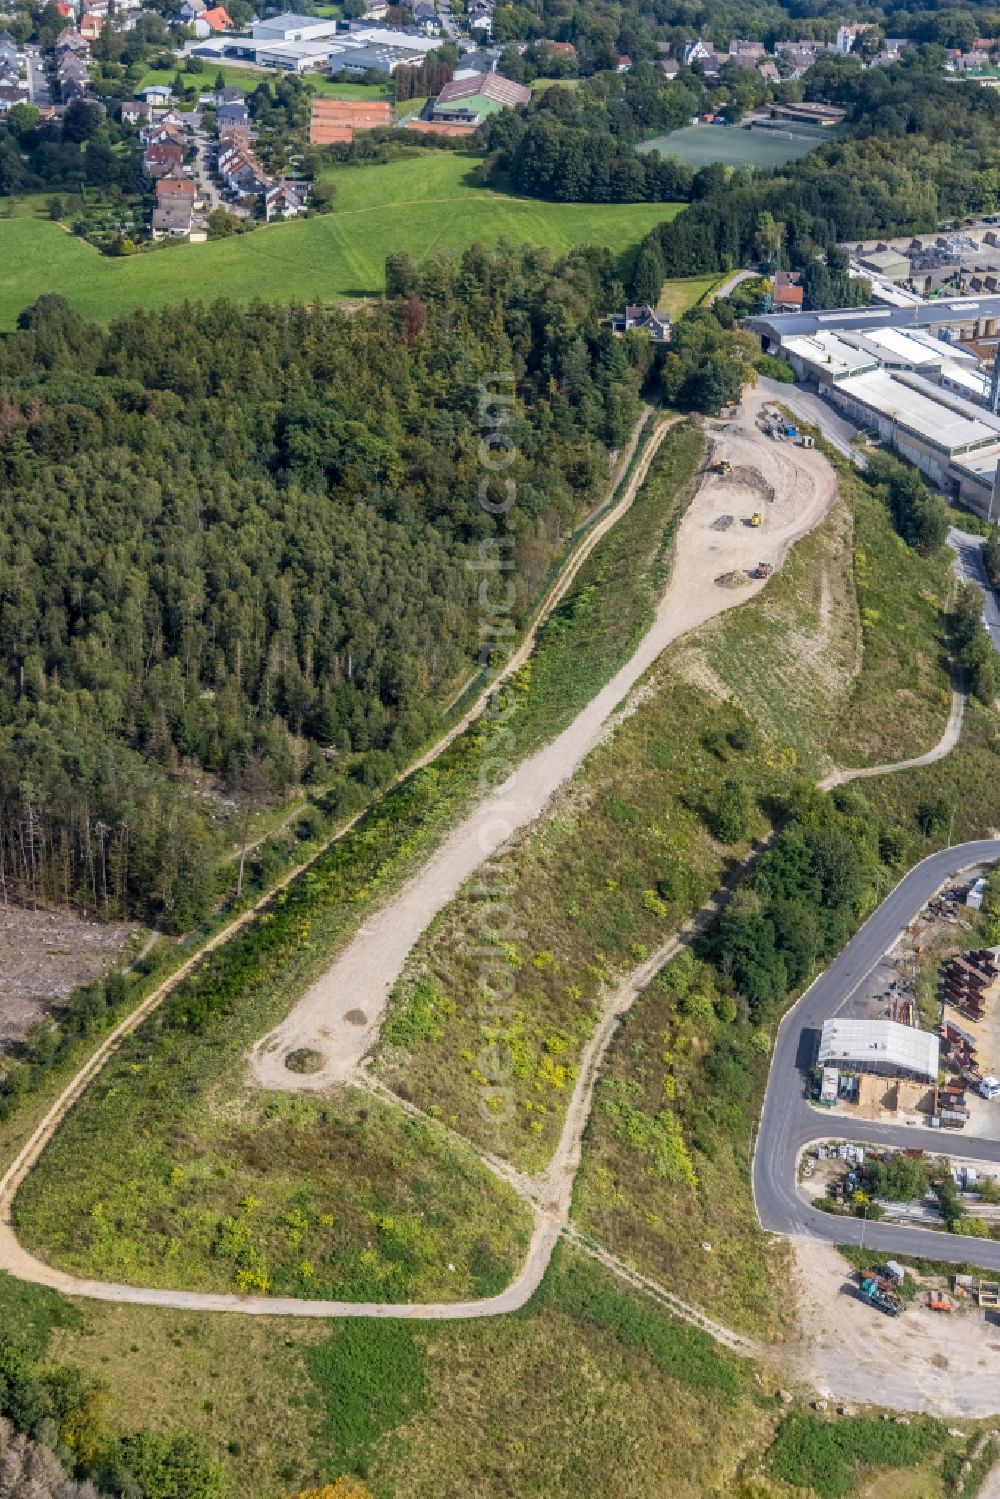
(340, 1015)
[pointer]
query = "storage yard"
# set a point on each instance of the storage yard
(875, 1062)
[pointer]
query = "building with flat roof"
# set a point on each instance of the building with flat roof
(965, 317)
(290, 27)
(881, 1046)
(887, 263)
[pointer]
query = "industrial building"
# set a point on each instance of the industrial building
(908, 376)
(883, 1047)
(303, 44)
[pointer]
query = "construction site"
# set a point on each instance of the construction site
(750, 494)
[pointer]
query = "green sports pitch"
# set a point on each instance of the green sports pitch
(701, 145)
(421, 204)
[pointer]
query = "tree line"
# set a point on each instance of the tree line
(234, 535)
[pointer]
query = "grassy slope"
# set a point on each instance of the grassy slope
(424, 203)
(678, 295)
(577, 1394)
(792, 660)
(588, 1390)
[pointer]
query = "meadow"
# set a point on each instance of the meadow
(431, 201)
(677, 296)
(701, 145)
(249, 78)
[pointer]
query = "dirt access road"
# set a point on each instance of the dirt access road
(793, 488)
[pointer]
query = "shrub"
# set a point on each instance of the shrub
(811, 1453)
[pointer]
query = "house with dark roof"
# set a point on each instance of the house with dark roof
(172, 219)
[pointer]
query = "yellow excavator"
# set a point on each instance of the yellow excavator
(722, 466)
(756, 519)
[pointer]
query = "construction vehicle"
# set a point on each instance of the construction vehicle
(722, 466)
(938, 1301)
(756, 519)
(762, 570)
(872, 1291)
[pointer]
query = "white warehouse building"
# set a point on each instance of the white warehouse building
(881, 1046)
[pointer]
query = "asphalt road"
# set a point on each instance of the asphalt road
(969, 562)
(788, 1121)
(811, 408)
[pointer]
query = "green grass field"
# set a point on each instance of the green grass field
(700, 145)
(676, 297)
(248, 79)
(421, 204)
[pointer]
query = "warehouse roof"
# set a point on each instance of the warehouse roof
(929, 412)
(883, 1042)
(899, 346)
(924, 315)
(826, 350)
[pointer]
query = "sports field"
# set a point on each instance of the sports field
(700, 145)
(421, 204)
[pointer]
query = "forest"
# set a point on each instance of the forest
(238, 538)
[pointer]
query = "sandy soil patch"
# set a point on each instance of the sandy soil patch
(945, 1366)
(45, 954)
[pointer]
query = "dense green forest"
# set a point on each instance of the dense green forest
(238, 538)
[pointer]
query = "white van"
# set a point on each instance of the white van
(989, 1087)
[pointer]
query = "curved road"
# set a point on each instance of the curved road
(788, 1122)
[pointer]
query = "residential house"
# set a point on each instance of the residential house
(161, 160)
(701, 54)
(176, 188)
(216, 19)
(480, 16)
(282, 200)
(12, 94)
(769, 72)
(376, 10)
(164, 134)
(624, 63)
(670, 67)
(158, 94)
(656, 324)
(747, 49)
(787, 293)
(172, 219)
(848, 35)
(70, 40)
(426, 18)
(234, 112)
(136, 110)
(561, 49)
(191, 10)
